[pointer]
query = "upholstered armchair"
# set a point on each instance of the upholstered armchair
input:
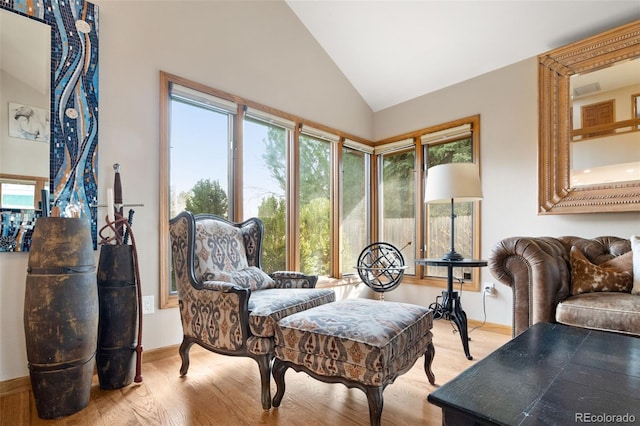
(228, 305)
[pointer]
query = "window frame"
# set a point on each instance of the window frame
(312, 135)
(338, 141)
(367, 154)
(256, 119)
(235, 199)
(472, 283)
(419, 278)
(169, 299)
(403, 146)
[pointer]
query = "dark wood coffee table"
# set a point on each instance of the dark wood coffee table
(551, 374)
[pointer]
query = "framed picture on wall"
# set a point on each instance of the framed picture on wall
(28, 122)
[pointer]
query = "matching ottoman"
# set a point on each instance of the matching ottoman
(360, 343)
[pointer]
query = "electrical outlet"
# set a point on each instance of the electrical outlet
(147, 305)
(489, 289)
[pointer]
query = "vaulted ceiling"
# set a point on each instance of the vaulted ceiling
(396, 50)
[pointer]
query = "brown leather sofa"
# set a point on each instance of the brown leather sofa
(538, 270)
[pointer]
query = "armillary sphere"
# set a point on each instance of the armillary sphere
(381, 267)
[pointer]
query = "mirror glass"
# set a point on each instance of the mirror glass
(25, 69)
(25, 93)
(605, 145)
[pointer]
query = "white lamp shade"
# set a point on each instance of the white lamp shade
(460, 181)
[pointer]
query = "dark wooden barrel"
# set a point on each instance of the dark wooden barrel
(117, 298)
(61, 315)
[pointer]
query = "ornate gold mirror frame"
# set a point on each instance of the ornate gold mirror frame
(555, 194)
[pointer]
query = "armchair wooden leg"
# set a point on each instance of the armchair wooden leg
(279, 368)
(184, 354)
(264, 363)
(428, 359)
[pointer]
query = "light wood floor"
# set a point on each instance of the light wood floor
(223, 390)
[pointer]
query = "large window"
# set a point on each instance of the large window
(355, 207)
(200, 141)
(396, 210)
(457, 143)
(315, 205)
(422, 230)
(238, 159)
(310, 185)
(265, 186)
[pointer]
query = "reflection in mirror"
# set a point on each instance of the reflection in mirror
(605, 143)
(21, 202)
(25, 70)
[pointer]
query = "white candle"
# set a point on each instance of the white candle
(110, 204)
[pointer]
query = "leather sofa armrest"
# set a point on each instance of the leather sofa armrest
(537, 269)
(290, 279)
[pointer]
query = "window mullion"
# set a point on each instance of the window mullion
(293, 206)
(237, 165)
(336, 208)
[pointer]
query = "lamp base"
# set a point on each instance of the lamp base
(452, 255)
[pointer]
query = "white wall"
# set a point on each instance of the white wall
(506, 100)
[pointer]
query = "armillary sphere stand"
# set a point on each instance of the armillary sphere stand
(381, 267)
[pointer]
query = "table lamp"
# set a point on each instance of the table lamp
(446, 182)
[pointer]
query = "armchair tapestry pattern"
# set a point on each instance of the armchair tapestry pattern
(227, 303)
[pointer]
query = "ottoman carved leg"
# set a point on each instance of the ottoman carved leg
(428, 359)
(374, 393)
(374, 397)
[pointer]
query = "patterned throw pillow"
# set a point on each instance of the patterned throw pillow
(252, 278)
(613, 275)
(221, 256)
(219, 248)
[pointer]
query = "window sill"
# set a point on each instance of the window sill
(327, 282)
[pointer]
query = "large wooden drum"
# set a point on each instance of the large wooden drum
(61, 315)
(117, 298)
